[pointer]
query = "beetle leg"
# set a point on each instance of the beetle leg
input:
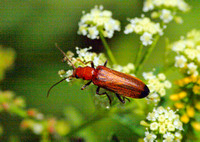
(105, 63)
(85, 63)
(126, 98)
(92, 64)
(104, 93)
(121, 100)
(82, 88)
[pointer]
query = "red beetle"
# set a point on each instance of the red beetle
(120, 83)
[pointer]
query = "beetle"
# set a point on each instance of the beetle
(119, 83)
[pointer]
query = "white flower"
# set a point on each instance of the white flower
(180, 61)
(191, 53)
(40, 116)
(148, 5)
(129, 28)
(98, 20)
(160, 110)
(148, 75)
(117, 68)
(37, 128)
(178, 135)
(157, 85)
(161, 76)
(169, 137)
(162, 129)
(82, 29)
(96, 61)
(93, 33)
(170, 127)
(178, 124)
(158, 2)
(170, 115)
(149, 137)
(153, 97)
(143, 25)
(192, 68)
(65, 74)
(166, 16)
(179, 46)
(130, 66)
(161, 118)
(183, 6)
(165, 123)
(82, 52)
(154, 126)
(151, 116)
(146, 39)
(162, 92)
(188, 53)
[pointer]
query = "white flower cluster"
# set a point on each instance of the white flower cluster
(188, 53)
(83, 56)
(169, 4)
(145, 27)
(165, 122)
(98, 20)
(157, 85)
(125, 69)
(166, 9)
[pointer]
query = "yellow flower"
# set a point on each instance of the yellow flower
(186, 80)
(182, 94)
(185, 118)
(194, 78)
(198, 81)
(174, 97)
(179, 83)
(190, 111)
(179, 105)
(196, 126)
(196, 89)
(197, 105)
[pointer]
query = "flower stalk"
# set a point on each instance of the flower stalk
(138, 56)
(147, 54)
(109, 52)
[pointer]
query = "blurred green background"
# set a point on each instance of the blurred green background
(32, 27)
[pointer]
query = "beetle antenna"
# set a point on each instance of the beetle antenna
(55, 85)
(64, 55)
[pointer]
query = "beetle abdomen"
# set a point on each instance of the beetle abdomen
(145, 92)
(120, 83)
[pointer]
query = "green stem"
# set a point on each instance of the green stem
(109, 52)
(138, 56)
(166, 53)
(147, 54)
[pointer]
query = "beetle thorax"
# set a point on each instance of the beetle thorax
(86, 73)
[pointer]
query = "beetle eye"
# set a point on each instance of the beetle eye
(76, 76)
